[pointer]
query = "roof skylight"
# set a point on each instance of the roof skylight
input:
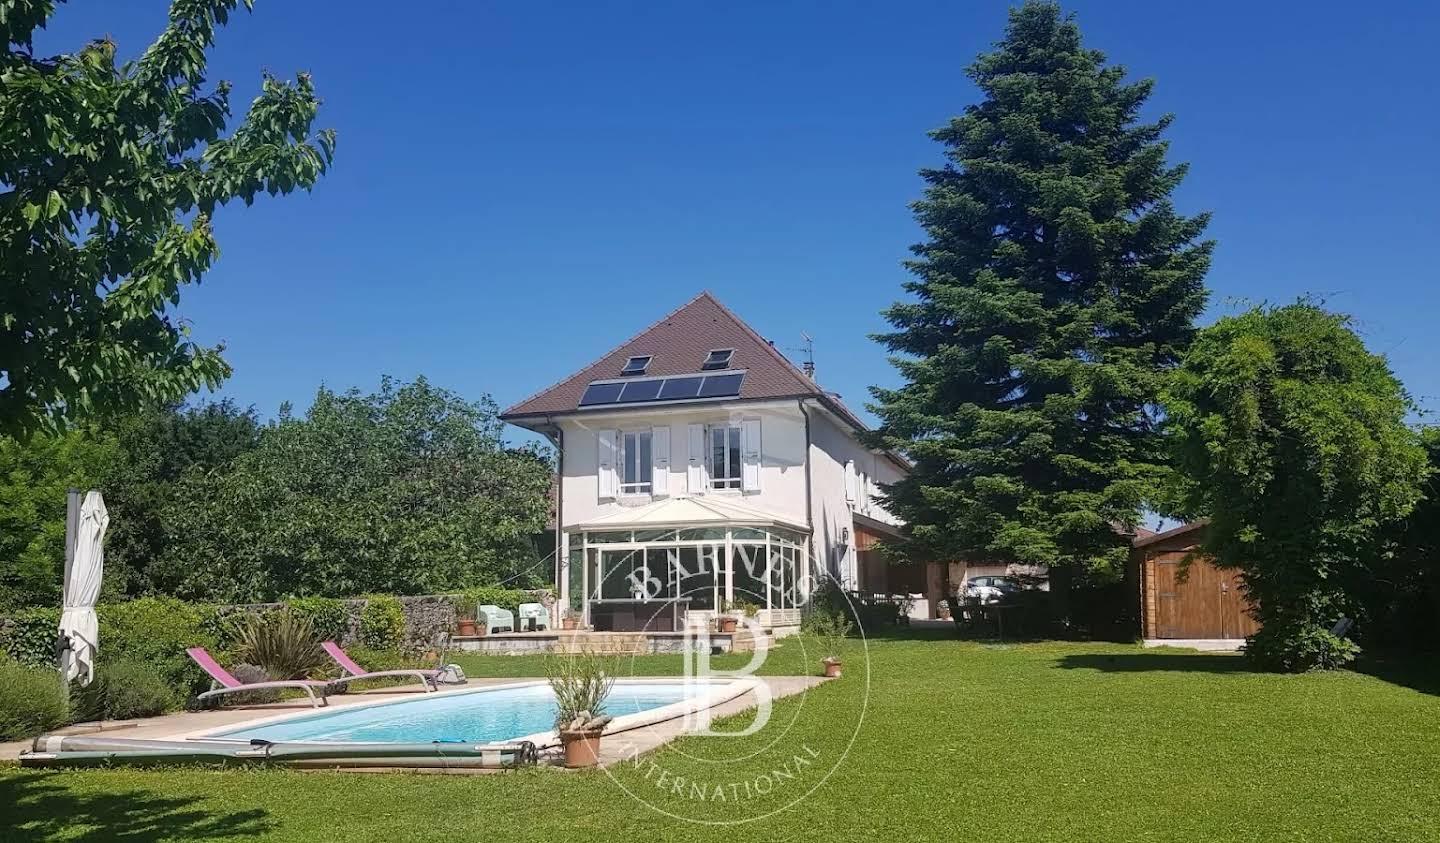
(636, 365)
(719, 359)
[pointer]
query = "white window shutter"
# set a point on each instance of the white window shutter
(660, 455)
(695, 469)
(750, 455)
(607, 457)
(850, 482)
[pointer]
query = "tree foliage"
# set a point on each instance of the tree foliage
(409, 490)
(1056, 286)
(111, 175)
(1293, 440)
(34, 477)
(1401, 599)
(159, 447)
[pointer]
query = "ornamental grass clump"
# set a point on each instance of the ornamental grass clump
(830, 630)
(283, 643)
(581, 682)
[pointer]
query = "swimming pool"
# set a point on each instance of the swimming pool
(482, 715)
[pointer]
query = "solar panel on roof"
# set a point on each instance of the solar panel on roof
(601, 393)
(719, 386)
(641, 391)
(678, 388)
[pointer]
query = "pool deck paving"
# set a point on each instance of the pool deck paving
(615, 747)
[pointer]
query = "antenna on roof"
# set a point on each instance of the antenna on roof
(808, 349)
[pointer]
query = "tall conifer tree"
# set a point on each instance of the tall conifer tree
(1056, 286)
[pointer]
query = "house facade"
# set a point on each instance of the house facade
(700, 469)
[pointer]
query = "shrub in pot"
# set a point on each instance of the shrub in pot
(581, 683)
(726, 620)
(830, 630)
(465, 620)
(570, 619)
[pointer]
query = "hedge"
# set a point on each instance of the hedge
(506, 598)
(382, 622)
(28, 636)
(31, 700)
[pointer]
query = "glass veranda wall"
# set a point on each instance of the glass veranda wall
(714, 568)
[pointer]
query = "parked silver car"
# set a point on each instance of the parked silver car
(990, 589)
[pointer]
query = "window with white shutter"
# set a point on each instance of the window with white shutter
(637, 463)
(660, 451)
(605, 461)
(750, 454)
(725, 457)
(695, 468)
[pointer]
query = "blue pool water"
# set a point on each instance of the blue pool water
(477, 717)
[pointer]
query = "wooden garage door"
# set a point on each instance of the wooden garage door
(1207, 604)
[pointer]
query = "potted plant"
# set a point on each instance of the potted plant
(727, 619)
(581, 683)
(749, 610)
(465, 620)
(830, 629)
(943, 610)
(570, 619)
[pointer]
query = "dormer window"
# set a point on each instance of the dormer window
(719, 359)
(636, 365)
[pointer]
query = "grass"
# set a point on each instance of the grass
(959, 740)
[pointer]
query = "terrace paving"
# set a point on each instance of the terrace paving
(615, 747)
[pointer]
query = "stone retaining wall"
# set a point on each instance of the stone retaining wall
(428, 617)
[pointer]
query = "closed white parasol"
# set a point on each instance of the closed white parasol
(82, 588)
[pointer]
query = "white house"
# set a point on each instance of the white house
(698, 467)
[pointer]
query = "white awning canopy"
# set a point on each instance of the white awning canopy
(710, 511)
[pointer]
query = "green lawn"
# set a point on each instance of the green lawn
(959, 741)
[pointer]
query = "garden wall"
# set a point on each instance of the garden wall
(428, 617)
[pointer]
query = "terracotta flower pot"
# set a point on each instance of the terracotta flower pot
(465, 626)
(832, 667)
(570, 623)
(582, 749)
(726, 624)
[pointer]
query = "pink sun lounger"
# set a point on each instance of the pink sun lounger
(230, 685)
(354, 671)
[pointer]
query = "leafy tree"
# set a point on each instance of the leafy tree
(137, 462)
(1055, 288)
(1400, 598)
(1293, 439)
(408, 490)
(34, 477)
(158, 447)
(111, 174)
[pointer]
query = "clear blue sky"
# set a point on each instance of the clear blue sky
(520, 186)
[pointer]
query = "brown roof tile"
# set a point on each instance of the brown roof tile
(678, 344)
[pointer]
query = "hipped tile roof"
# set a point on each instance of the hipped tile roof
(677, 345)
